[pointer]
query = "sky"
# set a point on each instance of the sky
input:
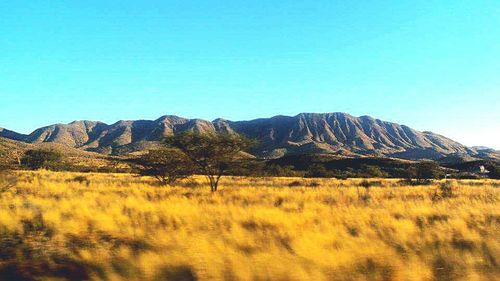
(431, 65)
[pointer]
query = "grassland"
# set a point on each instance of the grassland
(121, 227)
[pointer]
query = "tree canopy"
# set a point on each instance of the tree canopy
(166, 165)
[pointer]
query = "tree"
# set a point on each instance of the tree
(494, 171)
(428, 170)
(41, 159)
(275, 170)
(213, 154)
(166, 165)
(318, 170)
(424, 171)
(373, 172)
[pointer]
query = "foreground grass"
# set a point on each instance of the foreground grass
(120, 227)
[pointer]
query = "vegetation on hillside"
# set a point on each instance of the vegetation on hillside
(42, 159)
(300, 165)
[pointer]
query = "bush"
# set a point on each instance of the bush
(295, 184)
(494, 172)
(274, 170)
(373, 172)
(82, 180)
(428, 170)
(365, 184)
(423, 173)
(365, 197)
(314, 184)
(318, 170)
(413, 182)
(7, 181)
(42, 159)
(444, 190)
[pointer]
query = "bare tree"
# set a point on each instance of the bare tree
(213, 154)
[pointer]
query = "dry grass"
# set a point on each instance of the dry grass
(119, 227)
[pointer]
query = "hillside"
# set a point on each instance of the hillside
(83, 159)
(306, 133)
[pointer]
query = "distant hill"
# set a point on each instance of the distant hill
(307, 133)
(13, 151)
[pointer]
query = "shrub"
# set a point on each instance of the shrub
(494, 172)
(81, 180)
(7, 181)
(373, 172)
(365, 184)
(444, 190)
(274, 170)
(314, 184)
(428, 170)
(365, 197)
(295, 184)
(318, 171)
(42, 159)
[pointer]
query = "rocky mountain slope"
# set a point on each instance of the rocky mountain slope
(11, 135)
(331, 133)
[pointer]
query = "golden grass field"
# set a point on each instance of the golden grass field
(54, 226)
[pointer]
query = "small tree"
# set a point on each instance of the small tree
(424, 172)
(213, 154)
(41, 159)
(166, 165)
(373, 172)
(275, 170)
(494, 172)
(318, 170)
(428, 170)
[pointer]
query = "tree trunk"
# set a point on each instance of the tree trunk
(217, 181)
(213, 185)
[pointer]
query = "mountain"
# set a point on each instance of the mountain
(306, 133)
(487, 153)
(11, 135)
(343, 134)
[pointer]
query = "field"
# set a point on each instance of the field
(120, 227)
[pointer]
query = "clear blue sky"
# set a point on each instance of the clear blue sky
(432, 65)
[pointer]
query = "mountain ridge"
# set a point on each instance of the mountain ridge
(319, 133)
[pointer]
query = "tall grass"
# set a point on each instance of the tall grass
(120, 227)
